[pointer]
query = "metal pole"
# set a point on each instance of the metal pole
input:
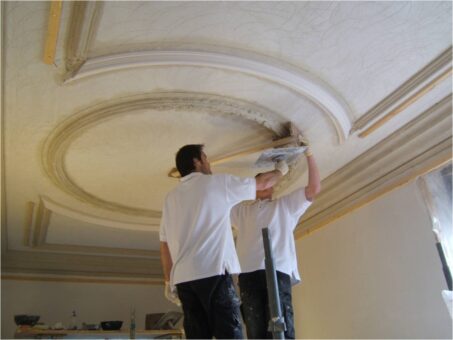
(277, 322)
(443, 260)
(445, 268)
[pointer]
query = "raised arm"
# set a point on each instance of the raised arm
(268, 179)
(314, 182)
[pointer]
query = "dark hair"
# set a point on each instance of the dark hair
(185, 157)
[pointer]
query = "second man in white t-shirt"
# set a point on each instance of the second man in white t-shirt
(280, 216)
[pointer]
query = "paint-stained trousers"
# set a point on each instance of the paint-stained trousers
(211, 308)
(255, 304)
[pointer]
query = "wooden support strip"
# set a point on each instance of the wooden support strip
(244, 152)
(413, 98)
(53, 28)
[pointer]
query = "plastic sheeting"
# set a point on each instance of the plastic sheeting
(436, 187)
(437, 192)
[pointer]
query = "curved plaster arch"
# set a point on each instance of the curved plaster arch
(58, 142)
(263, 67)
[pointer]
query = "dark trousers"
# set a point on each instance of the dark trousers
(255, 304)
(211, 308)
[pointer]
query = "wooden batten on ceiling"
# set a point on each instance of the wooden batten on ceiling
(53, 28)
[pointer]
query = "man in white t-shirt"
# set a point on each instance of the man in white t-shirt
(281, 217)
(197, 248)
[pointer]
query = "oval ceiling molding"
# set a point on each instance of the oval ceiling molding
(286, 75)
(58, 142)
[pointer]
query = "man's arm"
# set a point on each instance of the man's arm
(270, 178)
(314, 182)
(170, 291)
(267, 179)
(165, 258)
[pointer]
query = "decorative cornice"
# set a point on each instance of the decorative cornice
(60, 139)
(29, 214)
(152, 225)
(38, 220)
(253, 64)
(407, 102)
(83, 25)
(81, 249)
(81, 279)
(422, 144)
(437, 67)
(53, 263)
(41, 225)
(4, 238)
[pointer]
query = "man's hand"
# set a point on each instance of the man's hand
(282, 167)
(303, 141)
(314, 181)
(171, 294)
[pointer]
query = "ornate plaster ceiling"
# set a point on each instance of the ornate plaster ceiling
(88, 141)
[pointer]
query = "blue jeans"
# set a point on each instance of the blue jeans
(211, 308)
(255, 304)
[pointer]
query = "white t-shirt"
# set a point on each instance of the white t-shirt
(280, 216)
(197, 228)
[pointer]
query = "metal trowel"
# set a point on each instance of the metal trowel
(288, 147)
(289, 152)
(269, 157)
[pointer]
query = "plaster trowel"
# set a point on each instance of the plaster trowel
(288, 147)
(289, 153)
(269, 157)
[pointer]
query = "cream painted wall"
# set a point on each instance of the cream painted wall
(93, 302)
(375, 273)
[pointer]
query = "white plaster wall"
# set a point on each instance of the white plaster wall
(375, 273)
(93, 302)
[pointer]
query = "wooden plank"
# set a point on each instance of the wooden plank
(53, 28)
